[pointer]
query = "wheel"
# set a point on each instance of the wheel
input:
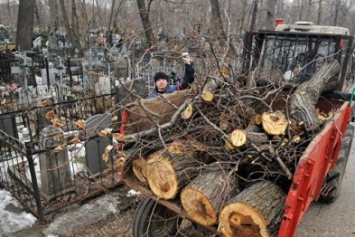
(332, 186)
(154, 220)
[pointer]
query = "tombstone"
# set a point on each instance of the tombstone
(56, 178)
(8, 124)
(26, 95)
(120, 67)
(95, 146)
(51, 72)
(124, 96)
(103, 86)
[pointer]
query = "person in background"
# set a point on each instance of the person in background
(161, 79)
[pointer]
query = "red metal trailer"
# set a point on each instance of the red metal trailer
(326, 155)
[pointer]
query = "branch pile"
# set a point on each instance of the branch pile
(227, 152)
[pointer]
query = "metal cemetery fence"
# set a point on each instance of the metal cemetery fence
(45, 178)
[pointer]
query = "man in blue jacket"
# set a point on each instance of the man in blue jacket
(161, 79)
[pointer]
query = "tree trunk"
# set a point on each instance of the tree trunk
(217, 27)
(253, 16)
(38, 18)
(270, 14)
(204, 197)
(304, 99)
(148, 30)
(319, 14)
(168, 173)
(54, 19)
(25, 24)
(256, 211)
(73, 38)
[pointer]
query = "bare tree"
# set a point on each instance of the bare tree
(25, 24)
(319, 15)
(270, 14)
(336, 11)
(147, 26)
(73, 37)
(54, 19)
(253, 15)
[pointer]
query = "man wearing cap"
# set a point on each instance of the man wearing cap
(161, 79)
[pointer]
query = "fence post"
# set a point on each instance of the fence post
(36, 194)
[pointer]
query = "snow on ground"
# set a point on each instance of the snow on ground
(13, 217)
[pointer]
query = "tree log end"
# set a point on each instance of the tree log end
(197, 205)
(274, 123)
(240, 219)
(138, 167)
(161, 177)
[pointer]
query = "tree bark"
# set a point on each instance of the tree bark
(304, 99)
(270, 14)
(217, 27)
(256, 211)
(147, 26)
(73, 37)
(25, 24)
(205, 196)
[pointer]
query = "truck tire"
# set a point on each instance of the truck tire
(332, 186)
(152, 219)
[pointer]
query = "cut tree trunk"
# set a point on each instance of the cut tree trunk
(168, 172)
(147, 113)
(304, 99)
(256, 211)
(274, 123)
(138, 167)
(204, 197)
(241, 137)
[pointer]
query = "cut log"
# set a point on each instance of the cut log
(207, 95)
(205, 196)
(144, 114)
(187, 113)
(138, 167)
(274, 123)
(167, 173)
(304, 99)
(256, 211)
(238, 137)
(241, 137)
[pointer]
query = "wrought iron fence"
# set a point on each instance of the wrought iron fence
(44, 168)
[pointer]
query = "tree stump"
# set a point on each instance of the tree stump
(256, 211)
(204, 197)
(304, 99)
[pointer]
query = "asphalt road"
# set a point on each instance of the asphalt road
(336, 219)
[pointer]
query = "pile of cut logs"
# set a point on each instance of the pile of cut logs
(227, 153)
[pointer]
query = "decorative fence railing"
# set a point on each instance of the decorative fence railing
(41, 165)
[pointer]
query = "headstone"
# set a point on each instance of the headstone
(54, 166)
(95, 146)
(120, 67)
(124, 96)
(8, 124)
(103, 86)
(51, 73)
(26, 94)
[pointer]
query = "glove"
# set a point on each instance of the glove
(186, 58)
